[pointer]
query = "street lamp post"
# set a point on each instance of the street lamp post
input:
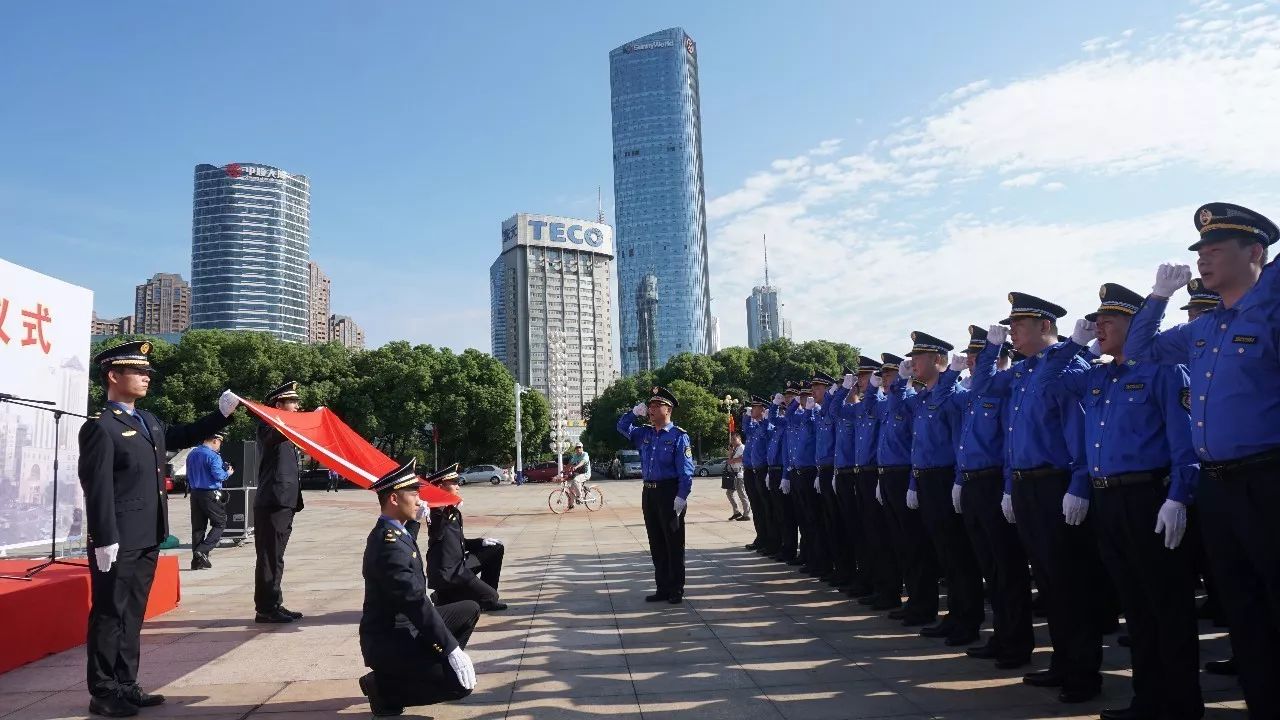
(728, 403)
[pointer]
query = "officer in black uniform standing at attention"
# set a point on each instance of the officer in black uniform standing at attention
(404, 639)
(122, 453)
(453, 561)
(279, 496)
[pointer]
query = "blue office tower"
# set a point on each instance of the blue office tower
(664, 303)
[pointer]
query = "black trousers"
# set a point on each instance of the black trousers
(1242, 538)
(761, 516)
(847, 505)
(965, 607)
(882, 560)
(911, 540)
(486, 563)
(666, 536)
(831, 526)
(784, 515)
(271, 530)
(1004, 564)
(207, 511)
(813, 548)
(422, 676)
(118, 602)
(1157, 592)
(1069, 571)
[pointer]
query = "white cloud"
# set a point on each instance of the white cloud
(875, 243)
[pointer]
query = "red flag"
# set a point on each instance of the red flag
(732, 426)
(322, 435)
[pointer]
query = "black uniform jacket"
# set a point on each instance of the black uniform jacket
(122, 473)
(278, 478)
(397, 611)
(449, 562)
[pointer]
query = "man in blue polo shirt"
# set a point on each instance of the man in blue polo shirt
(206, 472)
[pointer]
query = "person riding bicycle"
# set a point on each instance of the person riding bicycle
(580, 470)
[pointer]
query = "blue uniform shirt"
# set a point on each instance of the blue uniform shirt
(777, 454)
(800, 437)
(824, 426)
(204, 469)
(1233, 358)
(981, 443)
(1046, 425)
(894, 419)
(757, 433)
(846, 430)
(866, 418)
(665, 455)
(935, 424)
(1134, 420)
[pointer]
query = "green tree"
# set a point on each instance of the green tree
(700, 414)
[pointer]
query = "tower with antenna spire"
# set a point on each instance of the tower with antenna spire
(764, 317)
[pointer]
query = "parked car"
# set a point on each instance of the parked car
(540, 472)
(481, 473)
(626, 464)
(714, 466)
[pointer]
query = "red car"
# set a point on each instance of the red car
(543, 472)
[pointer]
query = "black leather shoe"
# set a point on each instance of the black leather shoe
(984, 652)
(941, 630)
(744, 518)
(200, 561)
(886, 604)
(861, 589)
(379, 708)
(290, 613)
(275, 616)
(676, 598)
(656, 597)
(752, 546)
(962, 637)
(1012, 663)
(1127, 713)
(135, 696)
(909, 620)
(1123, 641)
(867, 600)
(1079, 695)
(112, 706)
(1221, 667)
(493, 606)
(795, 561)
(1043, 678)
(898, 614)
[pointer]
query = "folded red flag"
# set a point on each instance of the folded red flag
(322, 435)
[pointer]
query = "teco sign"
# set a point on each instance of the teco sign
(555, 231)
(560, 232)
(236, 170)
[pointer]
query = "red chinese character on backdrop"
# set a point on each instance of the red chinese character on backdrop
(4, 311)
(39, 318)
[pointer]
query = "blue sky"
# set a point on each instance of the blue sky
(910, 164)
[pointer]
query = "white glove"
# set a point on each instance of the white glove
(463, 668)
(105, 557)
(955, 498)
(848, 381)
(777, 398)
(490, 542)
(1006, 507)
(640, 410)
(997, 334)
(817, 486)
(904, 369)
(1169, 278)
(1084, 333)
(879, 496)
(958, 362)
(1095, 348)
(422, 512)
(876, 381)
(1074, 509)
(227, 403)
(809, 403)
(913, 499)
(1172, 521)
(786, 486)
(680, 505)
(835, 487)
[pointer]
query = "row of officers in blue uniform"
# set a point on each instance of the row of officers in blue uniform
(1113, 468)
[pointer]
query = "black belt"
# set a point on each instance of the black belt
(866, 469)
(1136, 478)
(918, 473)
(893, 469)
(654, 484)
(981, 474)
(824, 467)
(1218, 469)
(1039, 473)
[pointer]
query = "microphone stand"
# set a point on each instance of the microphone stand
(53, 536)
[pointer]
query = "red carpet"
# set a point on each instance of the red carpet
(51, 613)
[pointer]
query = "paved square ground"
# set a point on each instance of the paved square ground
(753, 640)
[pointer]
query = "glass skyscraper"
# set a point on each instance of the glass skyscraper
(664, 305)
(250, 244)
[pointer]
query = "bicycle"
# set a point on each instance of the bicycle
(592, 496)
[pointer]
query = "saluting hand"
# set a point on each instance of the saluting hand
(640, 410)
(997, 334)
(848, 381)
(1170, 277)
(1084, 332)
(777, 398)
(958, 362)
